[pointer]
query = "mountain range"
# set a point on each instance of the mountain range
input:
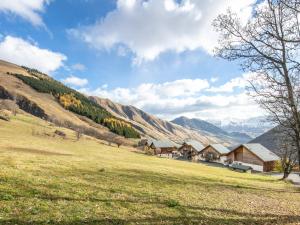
(204, 126)
(252, 127)
(40, 95)
(151, 126)
(272, 139)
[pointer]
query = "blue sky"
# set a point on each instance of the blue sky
(155, 54)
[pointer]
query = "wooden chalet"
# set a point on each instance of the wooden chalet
(164, 147)
(254, 155)
(190, 150)
(214, 153)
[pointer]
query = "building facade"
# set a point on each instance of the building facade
(254, 155)
(214, 153)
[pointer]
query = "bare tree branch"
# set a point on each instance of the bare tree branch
(269, 45)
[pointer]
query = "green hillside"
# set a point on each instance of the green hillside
(46, 179)
(77, 102)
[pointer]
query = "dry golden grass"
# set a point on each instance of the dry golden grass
(47, 102)
(13, 68)
(51, 180)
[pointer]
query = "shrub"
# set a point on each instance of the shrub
(4, 116)
(278, 167)
(60, 133)
(171, 203)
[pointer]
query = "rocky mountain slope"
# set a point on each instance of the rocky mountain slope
(154, 127)
(270, 139)
(15, 93)
(204, 126)
(21, 87)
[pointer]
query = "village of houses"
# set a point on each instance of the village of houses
(246, 157)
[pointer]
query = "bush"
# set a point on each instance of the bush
(278, 167)
(149, 151)
(60, 133)
(102, 170)
(172, 203)
(4, 116)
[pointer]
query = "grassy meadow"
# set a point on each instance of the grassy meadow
(51, 180)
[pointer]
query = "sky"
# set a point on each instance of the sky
(157, 55)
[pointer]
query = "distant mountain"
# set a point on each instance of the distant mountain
(197, 124)
(242, 137)
(28, 90)
(40, 95)
(204, 126)
(270, 139)
(154, 127)
(252, 127)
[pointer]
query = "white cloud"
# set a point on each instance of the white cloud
(238, 82)
(191, 98)
(214, 79)
(27, 9)
(22, 52)
(78, 66)
(76, 81)
(149, 28)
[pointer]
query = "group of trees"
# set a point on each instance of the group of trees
(69, 100)
(79, 104)
(269, 45)
(117, 126)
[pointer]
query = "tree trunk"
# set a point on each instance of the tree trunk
(292, 100)
(285, 175)
(298, 149)
(286, 171)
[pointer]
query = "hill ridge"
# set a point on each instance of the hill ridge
(204, 126)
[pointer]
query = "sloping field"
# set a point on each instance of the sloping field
(51, 180)
(49, 104)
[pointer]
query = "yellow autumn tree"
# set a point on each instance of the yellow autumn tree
(67, 100)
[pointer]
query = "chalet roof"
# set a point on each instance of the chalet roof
(164, 144)
(220, 148)
(195, 144)
(262, 152)
(149, 141)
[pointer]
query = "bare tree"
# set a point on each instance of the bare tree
(14, 110)
(286, 151)
(118, 141)
(78, 134)
(268, 45)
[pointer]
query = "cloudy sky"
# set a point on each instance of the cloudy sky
(153, 54)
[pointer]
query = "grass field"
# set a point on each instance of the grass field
(50, 180)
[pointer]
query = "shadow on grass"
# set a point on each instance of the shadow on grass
(186, 214)
(167, 220)
(132, 175)
(213, 164)
(93, 180)
(37, 151)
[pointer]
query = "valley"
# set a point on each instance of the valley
(47, 179)
(149, 112)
